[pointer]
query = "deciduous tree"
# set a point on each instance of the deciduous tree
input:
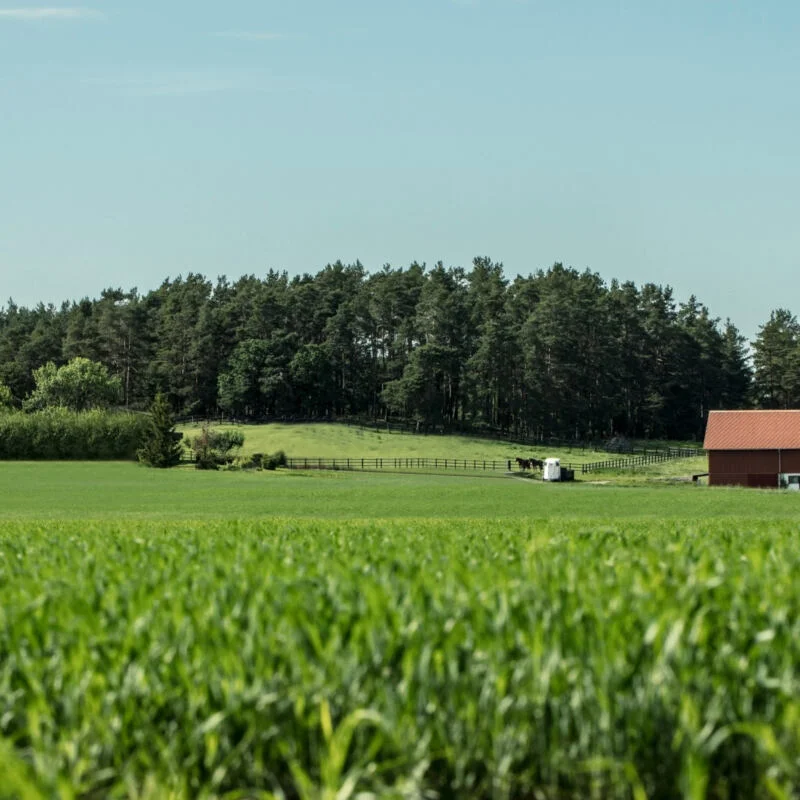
(79, 385)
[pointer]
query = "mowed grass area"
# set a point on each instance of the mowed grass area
(118, 490)
(333, 440)
(320, 659)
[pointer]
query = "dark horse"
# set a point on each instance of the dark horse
(524, 463)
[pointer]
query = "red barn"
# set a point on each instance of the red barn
(753, 448)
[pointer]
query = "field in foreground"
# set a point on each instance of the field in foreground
(119, 490)
(467, 658)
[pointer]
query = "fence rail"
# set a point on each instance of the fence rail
(377, 464)
(655, 457)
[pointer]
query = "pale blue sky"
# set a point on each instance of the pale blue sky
(651, 141)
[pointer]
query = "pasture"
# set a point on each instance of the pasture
(338, 441)
(331, 440)
(120, 490)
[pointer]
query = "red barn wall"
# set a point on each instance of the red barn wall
(750, 467)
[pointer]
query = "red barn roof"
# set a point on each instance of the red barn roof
(753, 430)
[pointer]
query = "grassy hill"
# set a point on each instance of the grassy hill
(331, 440)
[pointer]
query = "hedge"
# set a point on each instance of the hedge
(59, 434)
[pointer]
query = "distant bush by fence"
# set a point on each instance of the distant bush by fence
(58, 434)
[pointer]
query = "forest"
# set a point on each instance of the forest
(556, 353)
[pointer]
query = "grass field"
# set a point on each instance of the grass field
(315, 659)
(334, 635)
(343, 441)
(120, 490)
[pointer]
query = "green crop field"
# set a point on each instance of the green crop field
(463, 658)
(323, 635)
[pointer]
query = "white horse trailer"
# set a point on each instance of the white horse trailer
(552, 469)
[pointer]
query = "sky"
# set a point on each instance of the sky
(652, 141)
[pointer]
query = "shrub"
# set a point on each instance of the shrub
(213, 449)
(225, 442)
(274, 461)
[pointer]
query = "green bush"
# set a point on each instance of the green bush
(214, 449)
(253, 461)
(274, 461)
(57, 434)
(225, 442)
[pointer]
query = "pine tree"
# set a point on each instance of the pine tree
(776, 352)
(162, 448)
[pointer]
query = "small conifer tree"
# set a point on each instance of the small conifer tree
(162, 447)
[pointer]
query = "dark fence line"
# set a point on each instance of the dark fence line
(399, 464)
(655, 457)
(387, 464)
(405, 464)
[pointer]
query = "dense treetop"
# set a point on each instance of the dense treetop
(558, 352)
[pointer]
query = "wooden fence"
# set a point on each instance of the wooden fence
(654, 457)
(482, 465)
(401, 464)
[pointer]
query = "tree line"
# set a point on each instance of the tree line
(559, 352)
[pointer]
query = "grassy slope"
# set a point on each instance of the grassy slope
(120, 490)
(342, 441)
